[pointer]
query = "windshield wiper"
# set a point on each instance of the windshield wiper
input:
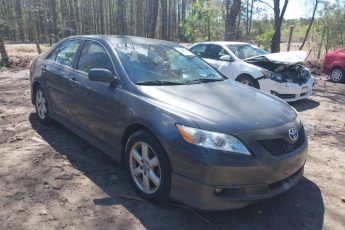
(158, 82)
(203, 80)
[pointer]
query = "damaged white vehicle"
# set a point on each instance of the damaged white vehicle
(281, 74)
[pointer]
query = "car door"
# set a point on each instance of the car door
(97, 102)
(213, 54)
(56, 71)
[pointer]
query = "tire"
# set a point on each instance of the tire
(337, 75)
(248, 80)
(152, 168)
(41, 106)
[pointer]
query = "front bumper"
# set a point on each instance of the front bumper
(216, 180)
(288, 91)
(211, 197)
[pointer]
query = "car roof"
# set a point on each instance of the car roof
(224, 43)
(125, 39)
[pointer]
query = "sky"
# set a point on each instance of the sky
(298, 8)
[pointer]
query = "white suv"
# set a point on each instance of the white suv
(280, 74)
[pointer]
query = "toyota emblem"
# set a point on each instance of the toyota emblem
(293, 134)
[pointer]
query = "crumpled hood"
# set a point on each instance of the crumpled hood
(289, 58)
(224, 106)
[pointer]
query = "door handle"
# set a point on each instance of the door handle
(73, 78)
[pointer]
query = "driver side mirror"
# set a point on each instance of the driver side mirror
(102, 75)
(226, 58)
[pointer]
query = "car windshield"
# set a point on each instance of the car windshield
(244, 51)
(149, 64)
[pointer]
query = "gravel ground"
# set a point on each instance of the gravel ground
(52, 179)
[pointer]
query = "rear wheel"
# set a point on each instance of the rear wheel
(337, 75)
(41, 106)
(148, 167)
(248, 80)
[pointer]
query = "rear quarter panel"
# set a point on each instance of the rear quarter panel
(333, 59)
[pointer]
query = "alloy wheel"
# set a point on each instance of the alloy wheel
(336, 75)
(41, 104)
(145, 167)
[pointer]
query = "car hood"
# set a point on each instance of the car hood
(224, 106)
(289, 58)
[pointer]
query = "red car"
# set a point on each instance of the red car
(334, 65)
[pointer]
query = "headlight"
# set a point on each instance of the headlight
(304, 73)
(212, 140)
(273, 76)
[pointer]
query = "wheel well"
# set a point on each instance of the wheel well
(34, 87)
(243, 75)
(337, 67)
(127, 133)
(248, 75)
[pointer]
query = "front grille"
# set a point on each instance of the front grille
(279, 147)
(287, 96)
(283, 96)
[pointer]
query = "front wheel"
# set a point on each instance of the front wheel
(248, 80)
(41, 106)
(337, 75)
(148, 167)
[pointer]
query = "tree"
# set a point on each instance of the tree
(139, 18)
(101, 15)
(4, 57)
(164, 19)
(77, 17)
(310, 24)
(250, 17)
(121, 17)
(232, 8)
(203, 21)
(153, 21)
(54, 15)
(278, 20)
(131, 23)
(19, 19)
(177, 20)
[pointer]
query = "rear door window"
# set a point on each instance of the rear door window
(67, 52)
(93, 56)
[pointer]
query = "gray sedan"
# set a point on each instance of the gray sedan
(182, 130)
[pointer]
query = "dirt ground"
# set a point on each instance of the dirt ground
(52, 179)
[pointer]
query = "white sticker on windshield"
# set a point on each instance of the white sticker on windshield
(184, 51)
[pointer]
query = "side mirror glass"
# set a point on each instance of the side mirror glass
(102, 75)
(226, 58)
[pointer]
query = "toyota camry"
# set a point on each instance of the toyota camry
(182, 130)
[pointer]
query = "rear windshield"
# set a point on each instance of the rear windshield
(151, 63)
(244, 51)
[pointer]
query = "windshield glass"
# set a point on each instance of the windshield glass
(161, 64)
(244, 51)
